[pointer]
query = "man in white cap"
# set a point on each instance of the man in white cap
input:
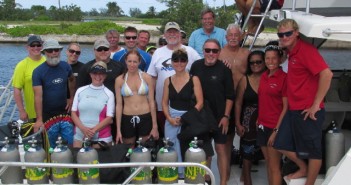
(161, 67)
(102, 53)
(50, 94)
(22, 78)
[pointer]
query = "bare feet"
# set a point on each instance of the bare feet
(298, 174)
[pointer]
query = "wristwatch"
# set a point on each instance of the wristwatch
(226, 116)
(275, 130)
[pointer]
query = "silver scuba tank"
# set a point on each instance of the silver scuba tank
(61, 154)
(334, 146)
(88, 155)
(36, 154)
(195, 175)
(10, 153)
(141, 154)
(167, 175)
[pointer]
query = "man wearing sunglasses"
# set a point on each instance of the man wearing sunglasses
(73, 52)
(308, 81)
(114, 69)
(22, 78)
(218, 89)
(208, 31)
(131, 41)
(51, 81)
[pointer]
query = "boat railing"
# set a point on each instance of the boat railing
(139, 166)
(6, 99)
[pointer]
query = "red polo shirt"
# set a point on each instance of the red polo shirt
(270, 93)
(305, 64)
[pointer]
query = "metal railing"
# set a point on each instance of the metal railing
(6, 98)
(139, 165)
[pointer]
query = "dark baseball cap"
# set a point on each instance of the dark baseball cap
(34, 38)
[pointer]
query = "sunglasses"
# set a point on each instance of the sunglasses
(180, 59)
(74, 51)
(35, 45)
(102, 49)
(208, 50)
(257, 62)
(131, 37)
(286, 34)
(52, 50)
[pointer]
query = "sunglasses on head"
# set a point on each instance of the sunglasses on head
(35, 45)
(52, 50)
(286, 34)
(208, 50)
(131, 37)
(102, 49)
(179, 59)
(74, 51)
(257, 62)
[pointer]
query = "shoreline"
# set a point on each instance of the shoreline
(261, 41)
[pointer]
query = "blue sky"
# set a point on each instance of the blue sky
(87, 5)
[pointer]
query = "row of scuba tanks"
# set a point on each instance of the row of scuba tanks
(88, 155)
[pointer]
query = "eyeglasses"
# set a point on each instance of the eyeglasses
(131, 37)
(257, 62)
(286, 34)
(180, 59)
(52, 50)
(208, 50)
(74, 51)
(35, 45)
(102, 49)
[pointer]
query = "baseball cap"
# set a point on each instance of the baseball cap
(150, 48)
(101, 42)
(51, 44)
(34, 38)
(170, 25)
(98, 67)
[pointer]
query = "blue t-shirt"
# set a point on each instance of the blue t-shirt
(198, 38)
(54, 82)
(145, 58)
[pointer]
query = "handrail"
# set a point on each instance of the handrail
(5, 100)
(328, 32)
(140, 165)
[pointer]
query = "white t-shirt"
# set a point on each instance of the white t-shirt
(113, 53)
(161, 68)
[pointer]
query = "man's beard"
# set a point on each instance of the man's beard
(53, 61)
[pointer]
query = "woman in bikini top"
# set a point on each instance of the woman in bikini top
(135, 109)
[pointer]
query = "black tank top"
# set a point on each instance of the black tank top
(250, 96)
(181, 100)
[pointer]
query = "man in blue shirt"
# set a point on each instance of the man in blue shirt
(50, 82)
(208, 31)
(130, 39)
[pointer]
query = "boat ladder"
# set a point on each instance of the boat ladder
(251, 15)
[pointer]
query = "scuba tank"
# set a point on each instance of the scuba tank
(141, 154)
(88, 155)
(36, 154)
(167, 175)
(335, 146)
(195, 175)
(10, 153)
(61, 154)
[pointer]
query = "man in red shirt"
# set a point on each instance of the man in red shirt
(308, 81)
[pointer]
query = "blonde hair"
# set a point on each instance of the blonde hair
(288, 23)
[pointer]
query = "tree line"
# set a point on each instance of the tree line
(185, 12)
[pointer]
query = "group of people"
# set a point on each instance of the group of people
(125, 93)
